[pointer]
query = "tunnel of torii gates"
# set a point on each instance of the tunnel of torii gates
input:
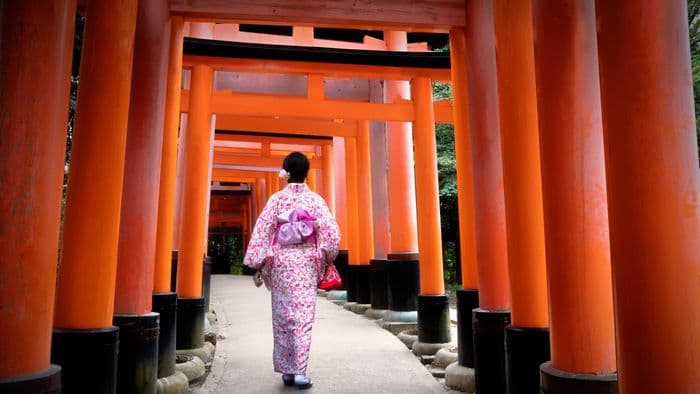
(574, 127)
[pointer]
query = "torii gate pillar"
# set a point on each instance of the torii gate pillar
(36, 44)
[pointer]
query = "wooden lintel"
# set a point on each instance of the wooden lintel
(238, 159)
(273, 140)
(261, 105)
(417, 15)
(325, 69)
(307, 127)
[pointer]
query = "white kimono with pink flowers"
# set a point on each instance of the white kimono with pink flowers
(292, 272)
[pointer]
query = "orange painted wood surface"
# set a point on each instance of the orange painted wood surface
(195, 190)
(426, 15)
(400, 173)
(521, 163)
(365, 214)
(93, 200)
(34, 93)
(427, 190)
(489, 205)
(266, 105)
(463, 158)
(325, 69)
(168, 168)
(144, 147)
(574, 191)
(352, 203)
(340, 189)
(653, 180)
(328, 177)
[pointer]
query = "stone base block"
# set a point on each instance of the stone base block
(396, 327)
(360, 309)
(204, 353)
(337, 295)
(176, 383)
(554, 381)
(401, 316)
(408, 337)
(321, 293)
(460, 378)
(437, 372)
(425, 349)
(349, 305)
(446, 356)
(191, 366)
(375, 313)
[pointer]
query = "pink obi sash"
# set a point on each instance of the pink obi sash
(295, 226)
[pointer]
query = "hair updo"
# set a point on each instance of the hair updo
(297, 165)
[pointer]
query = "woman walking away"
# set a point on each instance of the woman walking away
(294, 239)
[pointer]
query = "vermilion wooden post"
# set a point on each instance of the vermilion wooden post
(139, 326)
(468, 295)
(351, 187)
(84, 337)
(340, 192)
(312, 180)
(364, 189)
(493, 300)
(527, 339)
(575, 201)
(653, 193)
(433, 303)
(165, 300)
(402, 259)
(402, 198)
(36, 41)
(190, 318)
(166, 209)
(463, 158)
(328, 177)
(365, 224)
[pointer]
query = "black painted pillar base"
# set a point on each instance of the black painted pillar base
(341, 264)
(190, 323)
(379, 288)
(165, 304)
(554, 381)
(526, 349)
(173, 270)
(206, 282)
(137, 370)
(47, 381)
(433, 319)
(351, 283)
(88, 359)
(403, 281)
(467, 300)
(362, 285)
(489, 350)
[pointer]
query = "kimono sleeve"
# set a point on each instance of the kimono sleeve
(328, 232)
(259, 250)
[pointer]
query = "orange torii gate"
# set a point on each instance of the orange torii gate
(529, 115)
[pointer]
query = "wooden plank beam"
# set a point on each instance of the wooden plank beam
(237, 159)
(416, 15)
(310, 127)
(273, 140)
(263, 105)
(325, 69)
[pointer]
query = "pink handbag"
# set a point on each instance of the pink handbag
(331, 279)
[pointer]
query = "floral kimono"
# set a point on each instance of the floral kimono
(292, 271)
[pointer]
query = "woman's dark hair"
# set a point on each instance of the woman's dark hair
(297, 165)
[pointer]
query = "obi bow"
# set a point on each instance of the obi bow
(295, 226)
